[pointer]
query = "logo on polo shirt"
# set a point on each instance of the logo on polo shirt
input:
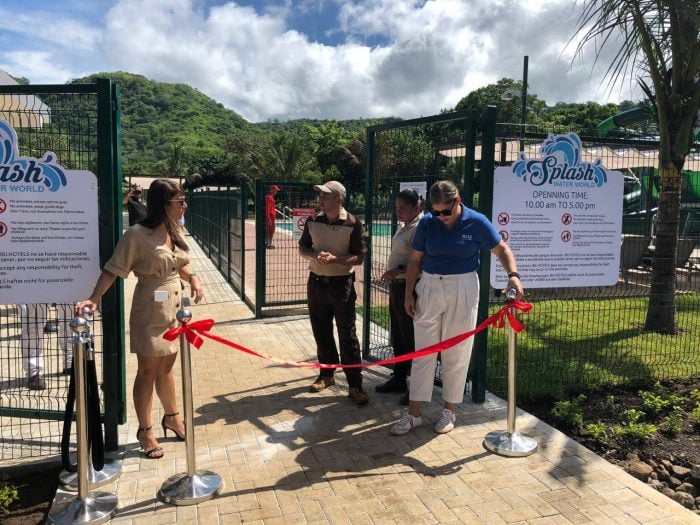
(466, 237)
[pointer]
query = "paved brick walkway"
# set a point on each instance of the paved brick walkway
(287, 456)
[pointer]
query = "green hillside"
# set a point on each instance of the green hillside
(158, 117)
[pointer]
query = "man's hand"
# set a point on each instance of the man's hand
(390, 275)
(326, 258)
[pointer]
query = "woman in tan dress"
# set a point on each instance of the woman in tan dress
(157, 254)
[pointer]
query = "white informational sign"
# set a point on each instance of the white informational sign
(561, 216)
(299, 217)
(49, 249)
(420, 187)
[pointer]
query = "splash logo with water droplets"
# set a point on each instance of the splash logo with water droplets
(561, 165)
(27, 174)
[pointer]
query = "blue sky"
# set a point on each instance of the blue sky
(282, 59)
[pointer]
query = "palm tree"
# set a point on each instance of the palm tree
(657, 40)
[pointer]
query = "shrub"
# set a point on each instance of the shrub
(8, 494)
(652, 403)
(694, 415)
(673, 423)
(598, 431)
(570, 412)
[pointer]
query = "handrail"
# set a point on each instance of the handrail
(284, 216)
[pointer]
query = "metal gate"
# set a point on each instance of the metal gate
(280, 273)
(419, 152)
(80, 123)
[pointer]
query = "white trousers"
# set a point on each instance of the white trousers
(446, 306)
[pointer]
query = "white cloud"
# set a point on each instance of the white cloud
(47, 26)
(429, 54)
(35, 65)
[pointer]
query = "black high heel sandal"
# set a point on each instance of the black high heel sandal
(180, 437)
(152, 453)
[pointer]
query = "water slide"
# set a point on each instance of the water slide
(631, 116)
(621, 120)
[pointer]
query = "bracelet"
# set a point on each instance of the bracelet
(514, 274)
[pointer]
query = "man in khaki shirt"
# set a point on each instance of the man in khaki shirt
(332, 243)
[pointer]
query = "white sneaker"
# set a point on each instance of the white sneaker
(406, 424)
(446, 422)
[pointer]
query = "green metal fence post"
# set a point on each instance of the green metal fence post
(259, 248)
(110, 219)
(470, 161)
(488, 150)
(369, 210)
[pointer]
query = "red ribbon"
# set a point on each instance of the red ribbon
(193, 331)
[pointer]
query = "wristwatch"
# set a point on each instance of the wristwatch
(513, 274)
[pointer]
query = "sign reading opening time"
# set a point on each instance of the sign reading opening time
(562, 218)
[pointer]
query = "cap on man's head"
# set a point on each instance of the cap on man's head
(332, 186)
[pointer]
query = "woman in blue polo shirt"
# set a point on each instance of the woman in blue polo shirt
(445, 250)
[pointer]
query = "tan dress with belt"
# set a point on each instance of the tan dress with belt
(157, 268)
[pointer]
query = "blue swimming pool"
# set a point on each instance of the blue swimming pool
(379, 229)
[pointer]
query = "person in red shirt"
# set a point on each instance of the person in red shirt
(270, 216)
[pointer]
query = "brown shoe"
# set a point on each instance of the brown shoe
(321, 383)
(358, 395)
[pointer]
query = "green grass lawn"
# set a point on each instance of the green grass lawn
(587, 342)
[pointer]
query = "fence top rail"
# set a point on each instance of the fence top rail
(445, 117)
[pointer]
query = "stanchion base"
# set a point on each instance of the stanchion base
(182, 489)
(96, 478)
(512, 445)
(98, 507)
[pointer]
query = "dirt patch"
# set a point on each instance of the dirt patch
(36, 484)
(646, 429)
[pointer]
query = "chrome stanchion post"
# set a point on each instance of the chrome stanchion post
(510, 442)
(86, 507)
(112, 468)
(193, 486)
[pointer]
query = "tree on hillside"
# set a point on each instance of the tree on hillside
(580, 117)
(284, 158)
(660, 41)
(508, 111)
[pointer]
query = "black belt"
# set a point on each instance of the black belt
(328, 279)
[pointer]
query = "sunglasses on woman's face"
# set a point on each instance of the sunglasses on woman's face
(447, 211)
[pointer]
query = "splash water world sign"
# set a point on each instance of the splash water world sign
(48, 247)
(561, 216)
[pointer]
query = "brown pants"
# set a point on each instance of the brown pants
(334, 298)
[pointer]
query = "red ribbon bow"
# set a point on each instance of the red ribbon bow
(499, 318)
(190, 330)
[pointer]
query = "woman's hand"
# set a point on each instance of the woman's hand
(514, 282)
(409, 304)
(92, 305)
(196, 288)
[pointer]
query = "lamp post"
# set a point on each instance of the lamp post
(511, 94)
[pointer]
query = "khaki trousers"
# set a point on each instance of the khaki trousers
(446, 306)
